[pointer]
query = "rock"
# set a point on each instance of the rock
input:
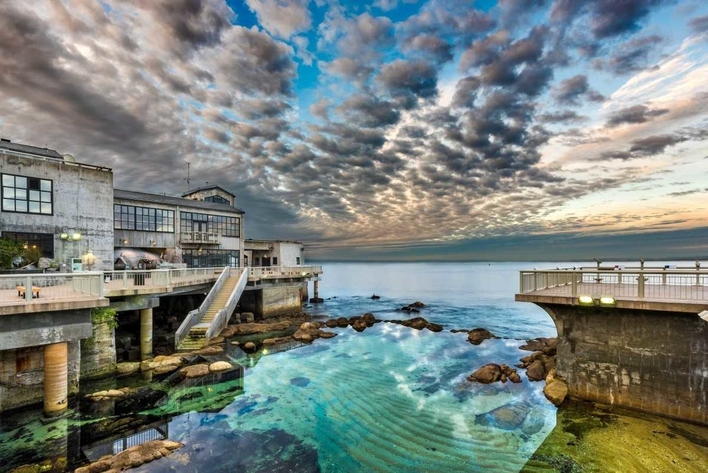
(342, 322)
(220, 366)
(162, 369)
(417, 305)
(316, 300)
(324, 334)
(249, 347)
(434, 327)
(216, 341)
(359, 325)
(514, 377)
(478, 335)
(550, 351)
(556, 391)
(375, 297)
(236, 343)
(331, 323)
(275, 341)
(133, 457)
(209, 351)
(251, 329)
(537, 344)
(127, 368)
(247, 317)
(489, 373)
(418, 323)
(369, 319)
(308, 326)
(551, 375)
(114, 393)
(195, 371)
(303, 336)
(534, 421)
(507, 417)
(535, 371)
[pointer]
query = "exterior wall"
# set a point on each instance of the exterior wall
(645, 360)
(82, 202)
(281, 300)
(202, 194)
(22, 375)
(289, 254)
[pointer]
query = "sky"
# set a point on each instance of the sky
(387, 130)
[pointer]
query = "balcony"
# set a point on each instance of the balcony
(201, 238)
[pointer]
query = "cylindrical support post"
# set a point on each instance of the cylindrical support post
(317, 289)
(145, 334)
(55, 378)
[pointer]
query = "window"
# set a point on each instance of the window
(297, 260)
(129, 217)
(275, 261)
(217, 199)
(224, 226)
(43, 241)
(207, 258)
(26, 195)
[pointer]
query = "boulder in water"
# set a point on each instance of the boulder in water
(556, 391)
(489, 373)
(219, 366)
(478, 335)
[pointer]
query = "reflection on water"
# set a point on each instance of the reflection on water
(390, 399)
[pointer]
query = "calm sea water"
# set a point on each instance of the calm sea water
(389, 399)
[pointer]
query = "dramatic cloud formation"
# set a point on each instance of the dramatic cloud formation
(392, 127)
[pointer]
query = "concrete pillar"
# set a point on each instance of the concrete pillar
(55, 378)
(145, 334)
(317, 290)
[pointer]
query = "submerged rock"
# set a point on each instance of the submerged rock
(417, 305)
(375, 297)
(342, 322)
(133, 457)
(331, 323)
(489, 373)
(249, 347)
(478, 335)
(507, 417)
(369, 319)
(418, 323)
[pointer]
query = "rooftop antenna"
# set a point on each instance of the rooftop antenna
(188, 186)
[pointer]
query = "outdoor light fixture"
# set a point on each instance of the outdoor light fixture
(76, 236)
(607, 301)
(125, 241)
(64, 236)
(586, 300)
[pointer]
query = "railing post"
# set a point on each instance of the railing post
(640, 287)
(100, 284)
(521, 282)
(125, 279)
(574, 285)
(28, 288)
(535, 281)
(663, 278)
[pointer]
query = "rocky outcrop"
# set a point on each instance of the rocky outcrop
(418, 323)
(127, 368)
(556, 391)
(309, 332)
(478, 335)
(109, 395)
(491, 373)
(417, 305)
(133, 457)
(195, 371)
(252, 329)
(276, 340)
(542, 360)
(375, 297)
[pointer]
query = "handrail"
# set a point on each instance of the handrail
(195, 316)
(222, 317)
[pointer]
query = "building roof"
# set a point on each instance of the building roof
(27, 149)
(176, 201)
(198, 189)
(256, 240)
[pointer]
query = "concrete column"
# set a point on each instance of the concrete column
(145, 334)
(317, 290)
(55, 378)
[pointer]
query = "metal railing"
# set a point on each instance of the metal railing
(264, 272)
(200, 237)
(652, 283)
(22, 288)
(195, 316)
(222, 317)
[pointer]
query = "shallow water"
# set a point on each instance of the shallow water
(388, 399)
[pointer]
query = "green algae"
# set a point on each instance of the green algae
(596, 438)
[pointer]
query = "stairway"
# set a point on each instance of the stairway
(196, 339)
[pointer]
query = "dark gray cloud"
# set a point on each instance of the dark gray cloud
(368, 111)
(430, 45)
(418, 78)
(630, 57)
(570, 91)
(634, 114)
(699, 24)
(612, 17)
(562, 116)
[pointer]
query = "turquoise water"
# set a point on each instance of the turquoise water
(388, 399)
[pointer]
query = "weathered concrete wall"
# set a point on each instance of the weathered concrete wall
(98, 353)
(22, 375)
(83, 202)
(281, 300)
(43, 328)
(651, 361)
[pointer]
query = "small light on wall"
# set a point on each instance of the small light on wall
(607, 301)
(64, 236)
(76, 236)
(586, 300)
(125, 241)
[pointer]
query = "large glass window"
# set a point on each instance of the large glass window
(26, 194)
(129, 217)
(207, 258)
(43, 241)
(217, 199)
(196, 222)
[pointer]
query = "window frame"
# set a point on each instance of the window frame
(27, 189)
(146, 218)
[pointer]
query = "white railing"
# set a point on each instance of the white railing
(651, 283)
(200, 237)
(195, 316)
(265, 272)
(22, 288)
(222, 317)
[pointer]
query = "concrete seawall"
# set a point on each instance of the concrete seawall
(650, 361)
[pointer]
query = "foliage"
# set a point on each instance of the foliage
(105, 315)
(31, 255)
(9, 250)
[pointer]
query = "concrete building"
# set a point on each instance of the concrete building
(215, 194)
(273, 253)
(56, 205)
(200, 233)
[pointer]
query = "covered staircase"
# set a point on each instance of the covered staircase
(214, 312)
